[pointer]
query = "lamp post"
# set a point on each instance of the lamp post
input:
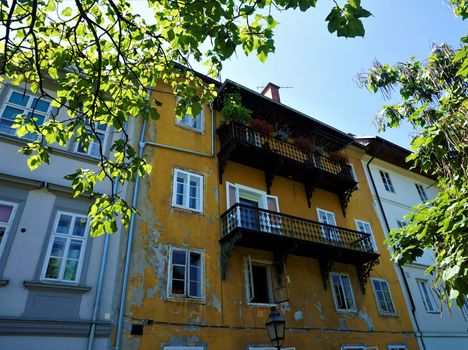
(275, 326)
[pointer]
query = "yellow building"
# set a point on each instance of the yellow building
(234, 221)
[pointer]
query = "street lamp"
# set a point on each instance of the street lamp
(275, 326)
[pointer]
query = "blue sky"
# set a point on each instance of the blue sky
(320, 68)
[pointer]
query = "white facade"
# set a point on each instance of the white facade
(49, 265)
(437, 327)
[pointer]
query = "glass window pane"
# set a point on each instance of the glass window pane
(19, 98)
(6, 127)
(71, 268)
(80, 226)
(195, 259)
(178, 257)
(58, 247)
(75, 249)
(5, 212)
(53, 268)
(178, 287)
(40, 105)
(2, 233)
(178, 272)
(195, 289)
(64, 223)
(11, 112)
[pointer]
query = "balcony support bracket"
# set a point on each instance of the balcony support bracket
(363, 272)
(226, 251)
(270, 172)
(223, 158)
(345, 196)
(309, 191)
(325, 268)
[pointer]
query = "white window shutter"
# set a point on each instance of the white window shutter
(232, 194)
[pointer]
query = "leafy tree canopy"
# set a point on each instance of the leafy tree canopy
(434, 100)
(103, 57)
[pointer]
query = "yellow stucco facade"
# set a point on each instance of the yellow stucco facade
(223, 318)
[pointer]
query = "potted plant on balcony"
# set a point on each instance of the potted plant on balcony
(338, 157)
(282, 134)
(234, 111)
(261, 126)
(305, 144)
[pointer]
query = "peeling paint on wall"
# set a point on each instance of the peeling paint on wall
(216, 302)
(284, 307)
(187, 340)
(318, 306)
(364, 316)
(343, 325)
(298, 315)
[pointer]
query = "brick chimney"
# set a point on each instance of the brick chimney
(272, 91)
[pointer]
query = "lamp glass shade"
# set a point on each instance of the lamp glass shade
(275, 326)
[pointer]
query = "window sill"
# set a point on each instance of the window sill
(189, 128)
(186, 299)
(261, 305)
(56, 286)
(383, 314)
(3, 283)
(188, 210)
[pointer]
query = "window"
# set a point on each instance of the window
(427, 296)
(185, 273)
(260, 283)
(22, 103)
(195, 122)
(402, 223)
(383, 296)
(66, 248)
(397, 347)
(7, 213)
(328, 217)
(421, 192)
(353, 173)
(365, 227)
(465, 306)
(342, 292)
(353, 347)
(184, 348)
(93, 147)
(386, 181)
(187, 190)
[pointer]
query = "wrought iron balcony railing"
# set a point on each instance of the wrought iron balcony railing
(273, 223)
(283, 234)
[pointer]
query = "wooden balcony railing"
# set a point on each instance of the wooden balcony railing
(235, 132)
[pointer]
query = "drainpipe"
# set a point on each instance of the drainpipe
(102, 272)
(405, 282)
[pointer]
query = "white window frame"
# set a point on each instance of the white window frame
(183, 348)
(268, 348)
(249, 286)
(353, 347)
(422, 192)
(396, 347)
(425, 283)
(353, 174)
(348, 309)
(184, 124)
(385, 282)
(387, 181)
(187, 277)
(26, 109)
(330, 234)
(369, 231)
(185, 195)
(7, 225)
(68, 237)
(88, 152)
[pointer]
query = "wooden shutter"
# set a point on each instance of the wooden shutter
(273, 220)
(250, 279)
(232, 194)
(280, 283)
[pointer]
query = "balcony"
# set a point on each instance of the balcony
(242, 144)
(285, 234)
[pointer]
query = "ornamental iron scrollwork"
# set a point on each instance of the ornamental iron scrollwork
(363, 271)
(226, 251)
(345, 197)
(325, 268)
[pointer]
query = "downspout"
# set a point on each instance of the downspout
(405, 282)
(102, 272)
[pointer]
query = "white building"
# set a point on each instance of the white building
(50, 267)
(395, 189)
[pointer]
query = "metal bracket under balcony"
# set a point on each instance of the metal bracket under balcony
(285, 234)
(244, 145)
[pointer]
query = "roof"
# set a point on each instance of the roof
(298, 122)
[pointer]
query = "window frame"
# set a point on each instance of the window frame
(104, 142)
(182, 347)
(68, 238)
(387, 181)
(381, 312)
(425, 282)
(397, 347)
(353, 347)
(26, 109)
(354, 309)
(180, 122)
(421, 192)
(328, 233)
(371, 233)
(249, 262)
(187, 279)
(186, 196)
(8, 225)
